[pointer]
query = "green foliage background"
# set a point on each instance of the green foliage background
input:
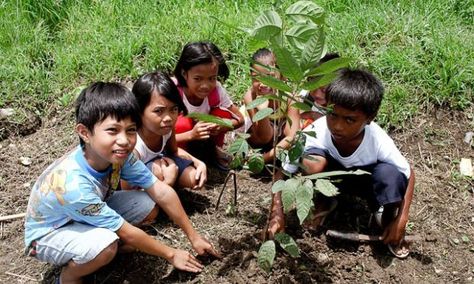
(422, 50)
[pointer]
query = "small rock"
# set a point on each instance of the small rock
(468, 137)
(6, 112)
(27, 185)
(469, 279)
(431, 238)
(438, 271)
(25, 161)
(322, 258)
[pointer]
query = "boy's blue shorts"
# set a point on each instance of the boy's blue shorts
(82, 243)
(385, 185)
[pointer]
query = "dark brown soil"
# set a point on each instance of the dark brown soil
(442, 214)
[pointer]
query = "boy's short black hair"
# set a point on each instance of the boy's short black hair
(101, 100)
(260, 53)
(197, 53)
(161, 83)
(356, 89)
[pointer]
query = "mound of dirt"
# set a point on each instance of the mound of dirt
(442, 214)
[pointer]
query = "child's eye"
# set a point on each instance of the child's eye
(158, 111)
(132, 130)
(175, 109)
(111, 130)
(350, 120)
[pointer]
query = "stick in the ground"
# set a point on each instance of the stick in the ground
(12, 217)
(356, 237)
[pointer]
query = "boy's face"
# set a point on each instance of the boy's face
(258, 87)
(346, 126)
(110, 143)
(319, 96)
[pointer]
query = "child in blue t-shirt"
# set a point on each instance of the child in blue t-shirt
(77, 200)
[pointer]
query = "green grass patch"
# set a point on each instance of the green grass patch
(422, 50)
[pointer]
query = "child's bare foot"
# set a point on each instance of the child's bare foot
(319, 214)
(400, 251)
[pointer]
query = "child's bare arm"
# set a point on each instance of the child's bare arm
(394, 233)
(289, 132)
(137, 238)
(314, 164)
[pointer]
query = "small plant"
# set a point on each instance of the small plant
(297, 38)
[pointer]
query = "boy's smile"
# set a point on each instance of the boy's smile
(110, 143)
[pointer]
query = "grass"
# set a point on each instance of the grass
(420, 49)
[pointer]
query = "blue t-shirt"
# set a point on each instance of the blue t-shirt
(71, 190)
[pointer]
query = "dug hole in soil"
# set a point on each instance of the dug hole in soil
(441, 213)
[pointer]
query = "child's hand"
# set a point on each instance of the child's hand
(216, 129)
(394, 232)
(201, 130)
(183, 260)
(201, 175)
(166, 170)
(203, 246)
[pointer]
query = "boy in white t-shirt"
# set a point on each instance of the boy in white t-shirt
(348, 139)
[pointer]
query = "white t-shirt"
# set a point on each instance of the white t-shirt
(147, 155)
(376, 146)
(204, 107)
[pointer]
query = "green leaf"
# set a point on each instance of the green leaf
(288, 244)
(261, 114)
(336, 173)
(267, 25)
(306, 9)
(330, 66)
(210, 118)
(274, 83)
(256, 163)
(313, 50)
(288, 194)
(266, 255)
(301, 106)
(299, 34)
(237, 162)
(278, 186)
(296, 151)
(326, 187)
(258, 101)
(320, 82)
(287, 64)
(304, 200)
(239, 146)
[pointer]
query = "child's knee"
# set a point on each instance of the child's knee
(221, 113)
(109, 252)
(151, 217)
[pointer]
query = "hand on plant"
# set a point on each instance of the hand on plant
(183, 260)
(218, 129)
(201, 174)
(394, 232)
(166, 170)
(203, 246)
(201, 130)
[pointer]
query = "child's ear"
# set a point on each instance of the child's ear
(83, 132)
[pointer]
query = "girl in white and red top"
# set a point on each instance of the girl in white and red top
(160, 104)
(196, 75)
